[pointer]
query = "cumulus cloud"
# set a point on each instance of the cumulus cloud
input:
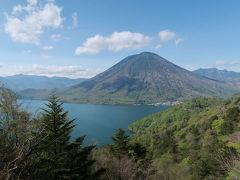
(47, 48)
(55, 37)
(44, 56)
(117, 41)
(26, 23)
(74, 17)
(61, 71)
(32, 2)
(178, 41)
(28, 51)
(166, 35)
(220, 62)
(225, 63)
(158, 46)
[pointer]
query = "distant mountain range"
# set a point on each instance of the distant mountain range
(144, 78)
(221, 75)
(20, 82)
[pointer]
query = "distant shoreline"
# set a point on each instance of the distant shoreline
(115, 104)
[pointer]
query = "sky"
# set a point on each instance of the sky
(78, 39)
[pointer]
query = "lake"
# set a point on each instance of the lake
(99, 122)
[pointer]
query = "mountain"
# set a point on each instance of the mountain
(20, 82)
(145, 78)
(221, 75)
(198, 139)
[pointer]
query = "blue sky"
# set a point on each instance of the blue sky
(82, 38)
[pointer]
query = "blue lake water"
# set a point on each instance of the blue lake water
(99, 122)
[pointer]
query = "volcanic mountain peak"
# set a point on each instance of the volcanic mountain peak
(145, 78)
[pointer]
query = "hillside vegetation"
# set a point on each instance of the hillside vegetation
(199, 139)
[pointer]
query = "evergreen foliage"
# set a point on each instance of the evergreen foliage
(60, 158)
(79, 164)
(195, 140)
(39, 147)
(200, 137)
(120, 146)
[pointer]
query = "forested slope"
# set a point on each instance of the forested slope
(197, 140)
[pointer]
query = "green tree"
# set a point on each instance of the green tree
(120, 146)
(57, 127)
(137, 151)
(79, 162)
(19, 138)
(60, 158)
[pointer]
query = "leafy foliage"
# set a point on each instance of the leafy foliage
(39, 147)
(198, 135)
(195, 140)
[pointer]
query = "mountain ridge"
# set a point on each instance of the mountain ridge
(221, 75)
(145, 78)
(21, 81)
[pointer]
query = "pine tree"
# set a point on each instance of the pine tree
(79, 163)
(120, 146)
(60, 158)
(58, 127)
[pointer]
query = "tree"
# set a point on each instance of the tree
(19, 137)
(60, 158)
(79, 163)
(57, 127)
(39, 147)
(120, 146)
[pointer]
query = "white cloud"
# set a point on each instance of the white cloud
(178, 41)
(47, 48)
(26, 23)
(225, 63)
(61, 71)
(44, 56)
(74, 17)
(158, 46)
(220, 62)
(32, 2)
(117, 41)
(55, 37)
(27, 51)
(166, 35)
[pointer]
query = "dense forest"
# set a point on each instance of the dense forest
(198, 139)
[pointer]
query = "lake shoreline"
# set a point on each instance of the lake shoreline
(98, 122)
(167, 103)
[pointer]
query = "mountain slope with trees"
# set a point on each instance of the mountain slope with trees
(198, 139)
(144, 78)
(195, 140)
